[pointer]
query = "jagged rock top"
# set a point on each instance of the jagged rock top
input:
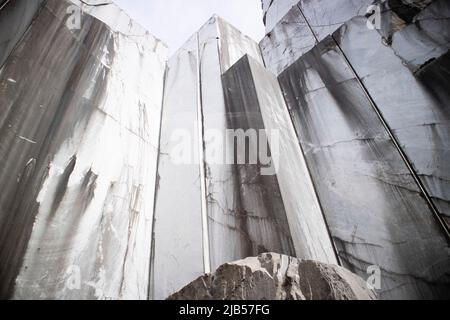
(272, 276)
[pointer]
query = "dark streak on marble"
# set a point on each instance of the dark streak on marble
(62, 185)
(255, 194)
(16, 16)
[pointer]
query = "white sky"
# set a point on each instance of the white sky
(174, 21)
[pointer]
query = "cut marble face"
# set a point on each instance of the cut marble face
(297, 30)
(16, 18)
(195, 101)
(376, 212)
(247, 212)
(78, 155)
(414, 106)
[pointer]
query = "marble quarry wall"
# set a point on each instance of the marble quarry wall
(119, 169)
(371, 111)
(79, 118)
(226, 212)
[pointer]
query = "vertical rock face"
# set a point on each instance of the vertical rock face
(416, 112)
(371, 116)
(274, 10)
(227, 210)
(272, 276)
(297, 30)
(426, 39)
(257, 221)
(417, 39)
(178, 196)
(16, 17)
(370, 199)
(287, 41)
(80, 112)
(249, 87)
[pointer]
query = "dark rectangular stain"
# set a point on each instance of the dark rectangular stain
(255, 219)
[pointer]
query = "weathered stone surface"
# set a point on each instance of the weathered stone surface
(193, 100)
(272, 276)
(425, 40)
(375, 211)
(15, 16)
(80, 112)
(417, 111)
(298, 29)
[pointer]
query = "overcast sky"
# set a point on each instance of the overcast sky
(174, 21)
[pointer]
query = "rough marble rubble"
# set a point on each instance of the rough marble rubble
(272, 276)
